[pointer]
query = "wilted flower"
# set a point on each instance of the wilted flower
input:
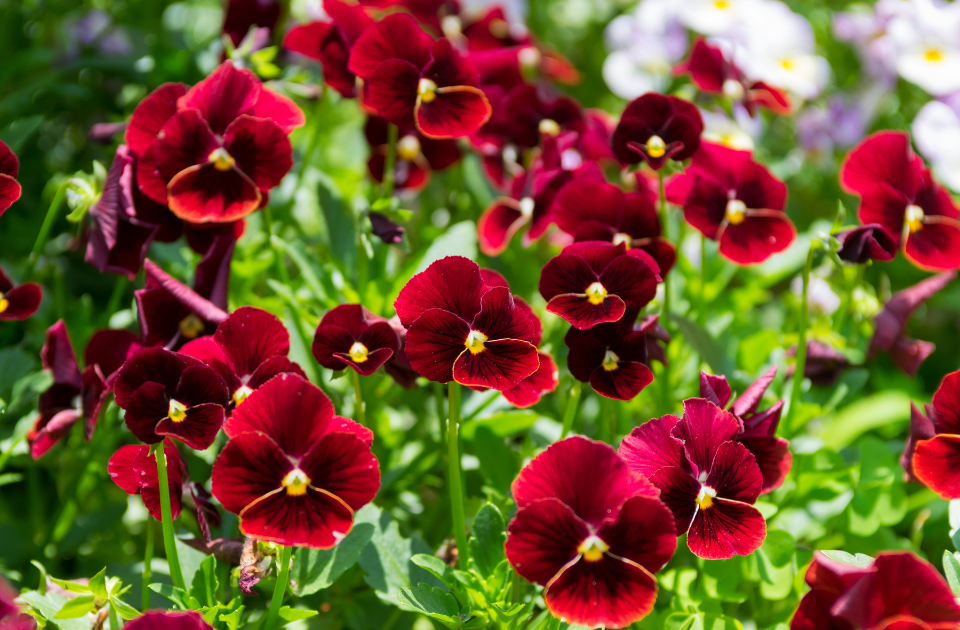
(866, 242)
(655, 128)
(824, 363)
(18, 302)
(350, 335)
(9, 167)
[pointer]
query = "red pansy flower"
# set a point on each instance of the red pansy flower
(655, 128)
(866, 242)
(527, 113)
(170, 394)
(492, 30)
(241, 15)
(657, 338)
(170, 313)
(249, 348)
(350, 335)
(433, 14)
(398, 367)
(414, 80)
(594, 282)
(459, 329)
(828, 580)
(591, 533)
(612, 357)
(713, 73)
(214, 151)
(508, 67)
(759, 428)
(134, 469)
(416, 156)
(593, 210)
(18, 302)
(9, 187)
(329, 42)
(162, 620)
(921, 428)
(936, 461)
(898, 192)
(890, 326)
(735, 201)
(708, 480)
(76, 395)
(293, 471)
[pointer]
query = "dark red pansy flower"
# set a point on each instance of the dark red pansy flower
(492, 30)
(735, 201)
(527, 113)
(708, 480)
(508, 67)
(416, 156)
(593, 210)
(655, 128)
(612, 357)
(241, 15)
(759, 428)
(433, 14)
(351, 336)
(936, 460)
(460, 329)
(76, 395)
(398, 367)
(293, 471)
(897, 191)
(866, 242)
(18, 302)
(921, 428)
(594, 282)
(828, 579)
(824, 363)
(249, 348)
(134, 469)
(330, 41)
(890, 326)
(212, 152)
(9, 168)
(170, 313)
(170, 394)
(591, 532)
(162, 620)
(710, 71)
(414, 80)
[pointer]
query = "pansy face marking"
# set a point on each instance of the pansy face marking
(475, 341)
(296, 482)
(177, 412)
(593, 548)
(656, 147)
(596, 293)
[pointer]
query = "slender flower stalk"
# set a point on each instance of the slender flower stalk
(795, 390)
(45, 228)
(456, 487)
(361, 410)
(147, 567)
(115, 623)
(702, 311)
(438, 398)
(572, 403)
(664, 222)
(390, 164)
(169, 539)
(278, 591)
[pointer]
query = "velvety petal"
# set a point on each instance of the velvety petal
(866, 242)
(748, 401)
(53, 430)
(759, 189)
(921, 428)
(352, 317)
(434, 342)
(631, 278)
(200, 384)
(151, 115)
(375, 360)
(726, 529)
(452, 283)
(145, 469)
(154, 365)
(163, 620)
(582, 201)
(734, 473)
(273, 367)
(705, 427)
(543, 538)
(883, 158)
(315, 519)
(250, 336)
(329, 341)
(198, 430)
(946, 404)
(891, 323)
(936, 463)
(212, 277)
(145, 408)
(396, 36)
(623, 383)
(908, 354)
(94, 393)
(393, 91)
(185, 140)
(249, 466)
(773, 457)
(644, 533)
(885, 206)
(227, 93)
(936, 246)
(704, 206)
(58, 356)
(279, 109)
(650, 447)
(342, 464)
(500, 318)
(761, 235)
(501, 365)
(813, 613)
(22, 302)
(716, 389)
(498, 224)
(9, 192)
(205, 194)
(120, 468)
(456, 111)
(261, 148)
(381, 336)
(528, 392)
(586, 354)
(679, 492)
(567, 274)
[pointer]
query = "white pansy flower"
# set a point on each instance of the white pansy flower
(927, 42)
(936, 131)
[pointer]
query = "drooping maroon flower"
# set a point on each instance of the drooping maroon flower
(293, 471)
(417, 155)
(399, 367)
(708, 480)
(162, 620)
(921, 428)
(710, 71)
(824, 363)
(18, 302)
(213, 152)
(655, 128)
(866, 242)
(594, 282)
(386, 229)
(170, 313)
(76, 395)
(134, 469)
(414, 80)
(759, 428)
(351, 336)
(9, 168)
(657, 338)
(459, 329)
(166, 394)
(241, 15)
(735, 201)
(936, 460)
(248, 349)
(593, 210)
(591, 532)
(612, 357)
(898, 192)
(890, 326)
(329, 42)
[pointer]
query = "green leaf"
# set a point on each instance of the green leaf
(859, 560)
(883, 409)
(76, 607)
(460, 239)
(124, 609)
(709, 348)
(176, 595)
(190, 561)
(233, 619)
(431, 602)
(71, 587)
(498, 464)
(42, 587)
(951, 568)
(205, 584)
(778, 547)
(700, 621)
(487, 537)
(503, 424)
(48, 605)
(98, 585)
(316, 569)
(210, 613)
(341, 231)
(436, 566)
(288, 614)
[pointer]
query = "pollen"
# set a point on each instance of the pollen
(611, 361)
(296, 483)
(427, 90)
(408, 148)
(222, 161)
(475, 341)
(526, 207)
(705, 497)
(620, 237)
(913, 218)
(241, 394)
(656, 147)
(736, 211)
(596, 293)
(933, 55)
(191, 326)
(177, 411)
(4, 303)
(593, 548)
(549, 127)
(358, 352)
(733, 89)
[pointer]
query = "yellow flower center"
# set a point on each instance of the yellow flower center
(611, 361)
(526, 207)
(475, 341)
(620, 237)
(914, 218)
(933, 55)
(191, 326)
(705, 497)
(4, 303)
(733, 89)
(177, 411)
(593, 548)
(656, 147)
(358, 352)
(222, 161)
(736, 211)
(427, 90)
(408, 148)
(722, 5)
(596, 293)
(549, 127)
(241, 394)
(296, 483)
(787, 64)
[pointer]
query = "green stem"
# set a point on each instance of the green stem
(438, 397)
(169, 539)
(795, 390)
(118, 289)
(114, 618)
(45, 228)
(361, 411)
(665, 227)
(147, 567)
(456, 488)
(278, 591)
(702, 311)
(390, 164)
(846, 309)
(571, 410)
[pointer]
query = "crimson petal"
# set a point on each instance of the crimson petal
(250, 336)
(151, 115)
(393, 91)
(315, 519)
(623, 383)
(9, 192)
(455, 112)
(261, 148)
(343, 465)
(198, 430)
(936, 246)
(757, 238)
(249, 466)
(226, 94)
(434, 342)
(651, 446)
(644, 533)
(936, 462)
(396, 36)
(205, 194)
(528, 392)
(704, 429)
(21, 302)
(726, 529)
(498, 224)
(543, 538)
(500, 365)
(452, 283)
